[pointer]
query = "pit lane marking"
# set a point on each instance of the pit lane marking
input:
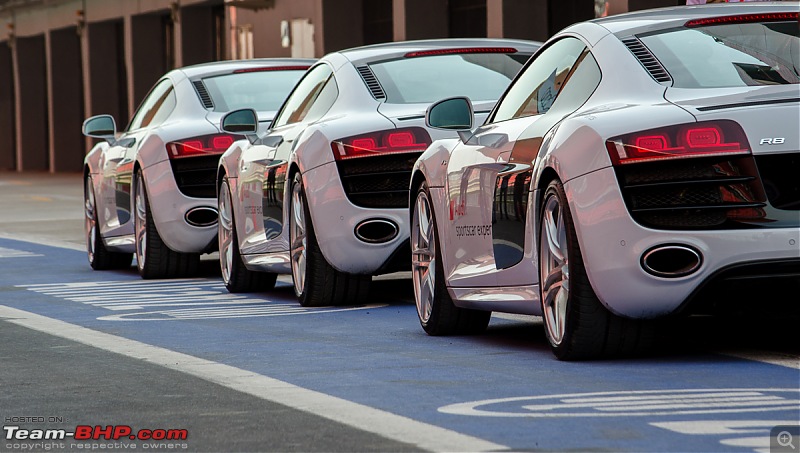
(758, 431)
(634, 403)
(202, 299)
(12, 253)
(359, 416)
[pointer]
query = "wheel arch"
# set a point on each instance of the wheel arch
(417, 179)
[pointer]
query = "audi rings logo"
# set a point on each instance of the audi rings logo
(633, 403)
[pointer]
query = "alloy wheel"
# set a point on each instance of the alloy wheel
(423, 256)
(554, 269)
(298, 241)
(140, 222)
(225, 233)
(90, 221)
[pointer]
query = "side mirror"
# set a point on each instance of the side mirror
(100, 126)
(241, 122)
(451, 114)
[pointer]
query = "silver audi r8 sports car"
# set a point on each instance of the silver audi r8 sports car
(634, 161)
(150, 190)
(324, 194)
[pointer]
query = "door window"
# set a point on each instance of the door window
(300, 105)
(540, 84)
(156, 107)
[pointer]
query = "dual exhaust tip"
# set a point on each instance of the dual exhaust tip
(202, 216)
(671, 260)
(376, 231)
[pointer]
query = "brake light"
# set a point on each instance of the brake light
(741, 19)
(272, 68)
(462, 50)
(392, 141)
(200, 146)
(679, 142)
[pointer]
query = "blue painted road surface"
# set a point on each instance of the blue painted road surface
(696, 394)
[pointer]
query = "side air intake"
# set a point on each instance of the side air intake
(647, 59)
(372, 82)
(205, 98)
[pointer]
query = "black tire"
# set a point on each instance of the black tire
(100, 258)
(319, 284)
(438, 315)
(236, 276)
(589, 330)
(153, 258)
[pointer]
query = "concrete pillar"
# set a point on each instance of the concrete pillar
(175, 41)
(420, 19)
(65, 76)
(8, 152)
(87, 83)
(31, 104)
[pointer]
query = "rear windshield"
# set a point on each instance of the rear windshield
(260, 90)
(731, 55)
(482, 77)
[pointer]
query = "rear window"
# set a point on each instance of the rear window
(730, 55)
(482, 77)
(260, 90)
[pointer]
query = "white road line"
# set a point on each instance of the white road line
(382, 423)
(775, 358)
(13, 253)
(42, 240)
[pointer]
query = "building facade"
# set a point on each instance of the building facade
(62, 61)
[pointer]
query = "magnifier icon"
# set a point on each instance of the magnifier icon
(785, 439)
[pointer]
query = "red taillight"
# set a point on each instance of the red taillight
(741, 19)
(679, 142)
(199, 146)
(462, 50)
(393, 141)
(272, 68)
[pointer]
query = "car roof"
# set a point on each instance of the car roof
(221, 67)
(399, 48)
(676, 16)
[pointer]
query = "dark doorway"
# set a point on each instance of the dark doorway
(378, 21)
(67, 105)
(467, 18)
(33, 112)
(8, 150)
(202, 33)
(153, 51)
(109, 81)
(563, 13)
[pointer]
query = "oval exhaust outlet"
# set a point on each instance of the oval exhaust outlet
(376, 231)
(671, 261)
(202, 216)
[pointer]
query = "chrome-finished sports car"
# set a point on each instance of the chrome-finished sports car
(635, 161)
(150, 190)
(324, 194)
